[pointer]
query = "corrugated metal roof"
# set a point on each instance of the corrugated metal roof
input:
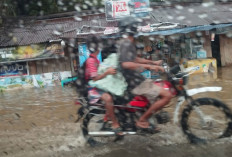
(51, 29)
(193, 15)
(66, 27)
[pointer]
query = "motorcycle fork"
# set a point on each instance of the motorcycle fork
(199, 112)
(179, 103)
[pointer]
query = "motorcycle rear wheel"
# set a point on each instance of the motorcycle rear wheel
(94, 128)
(214, 117)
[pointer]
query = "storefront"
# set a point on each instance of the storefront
(36, 65)
(191, 50)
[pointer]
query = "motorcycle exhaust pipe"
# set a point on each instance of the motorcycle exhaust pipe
(109, 133)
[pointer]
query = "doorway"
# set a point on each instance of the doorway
(215, 46)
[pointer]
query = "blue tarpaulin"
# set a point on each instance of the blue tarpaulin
(186, 30)
(178, 30)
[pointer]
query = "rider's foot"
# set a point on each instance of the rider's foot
(115, 125)
(147, 127)
(142, 124)
(117, 129)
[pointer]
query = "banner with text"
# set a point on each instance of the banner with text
(16, 69)
(31, 51)
(121, 8)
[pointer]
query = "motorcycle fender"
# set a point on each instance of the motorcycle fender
(194, 91)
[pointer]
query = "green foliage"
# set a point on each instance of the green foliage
(7, 8)
(44, 7)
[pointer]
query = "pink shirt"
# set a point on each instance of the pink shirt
(91, 68)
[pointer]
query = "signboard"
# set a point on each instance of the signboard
(146, 28)
(141, 5)
(121, 8)
(31, 51)
(117, 9)
(84, 53)
(111, 30)
(13, 69)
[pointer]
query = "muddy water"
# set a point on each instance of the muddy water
(40, 122)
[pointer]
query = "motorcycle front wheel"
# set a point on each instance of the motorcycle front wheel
(206, 119)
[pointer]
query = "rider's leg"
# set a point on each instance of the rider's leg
(165, 97)
(107, 98)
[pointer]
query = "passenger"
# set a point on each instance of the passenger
(94, 44)
(131, 67)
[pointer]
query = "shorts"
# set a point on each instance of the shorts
(94, 95)
(148, 89)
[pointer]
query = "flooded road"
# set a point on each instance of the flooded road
(40, 122)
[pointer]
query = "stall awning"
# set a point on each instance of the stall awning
(187, 29)
(220, 28)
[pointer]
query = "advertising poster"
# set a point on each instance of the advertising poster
(121, 8)
(117, 9)
(17, 69)
(141, 6)
(40, 80)
(31, 51)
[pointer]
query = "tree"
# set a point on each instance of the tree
(44, 7)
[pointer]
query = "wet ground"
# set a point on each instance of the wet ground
(40, 122)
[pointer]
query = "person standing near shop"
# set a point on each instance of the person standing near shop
(131, 66)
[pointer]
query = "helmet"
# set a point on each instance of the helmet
(128, 25)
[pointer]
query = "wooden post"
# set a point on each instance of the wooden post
(226, 50)
(207, 45)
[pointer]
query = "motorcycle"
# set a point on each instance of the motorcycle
(202, 119)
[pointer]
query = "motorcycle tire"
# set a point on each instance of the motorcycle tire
(93, 121)
(206, 104)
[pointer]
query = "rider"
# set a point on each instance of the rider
(131, 66)
(94, 44)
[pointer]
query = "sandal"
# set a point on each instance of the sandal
(152, 129)
(118, 131)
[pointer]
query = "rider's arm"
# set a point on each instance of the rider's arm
(135, 66)
(92, 66)
(146, 61)
(142, 60)
(109, 71)
(141, 67)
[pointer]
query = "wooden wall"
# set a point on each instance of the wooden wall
(49, 65)
(225, 49)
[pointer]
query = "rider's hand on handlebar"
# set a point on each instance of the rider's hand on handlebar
(111, 71)
(156, 68)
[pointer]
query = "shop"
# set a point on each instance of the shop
(191, 49)
(36, 65)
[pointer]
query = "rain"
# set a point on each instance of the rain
(108, 78)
